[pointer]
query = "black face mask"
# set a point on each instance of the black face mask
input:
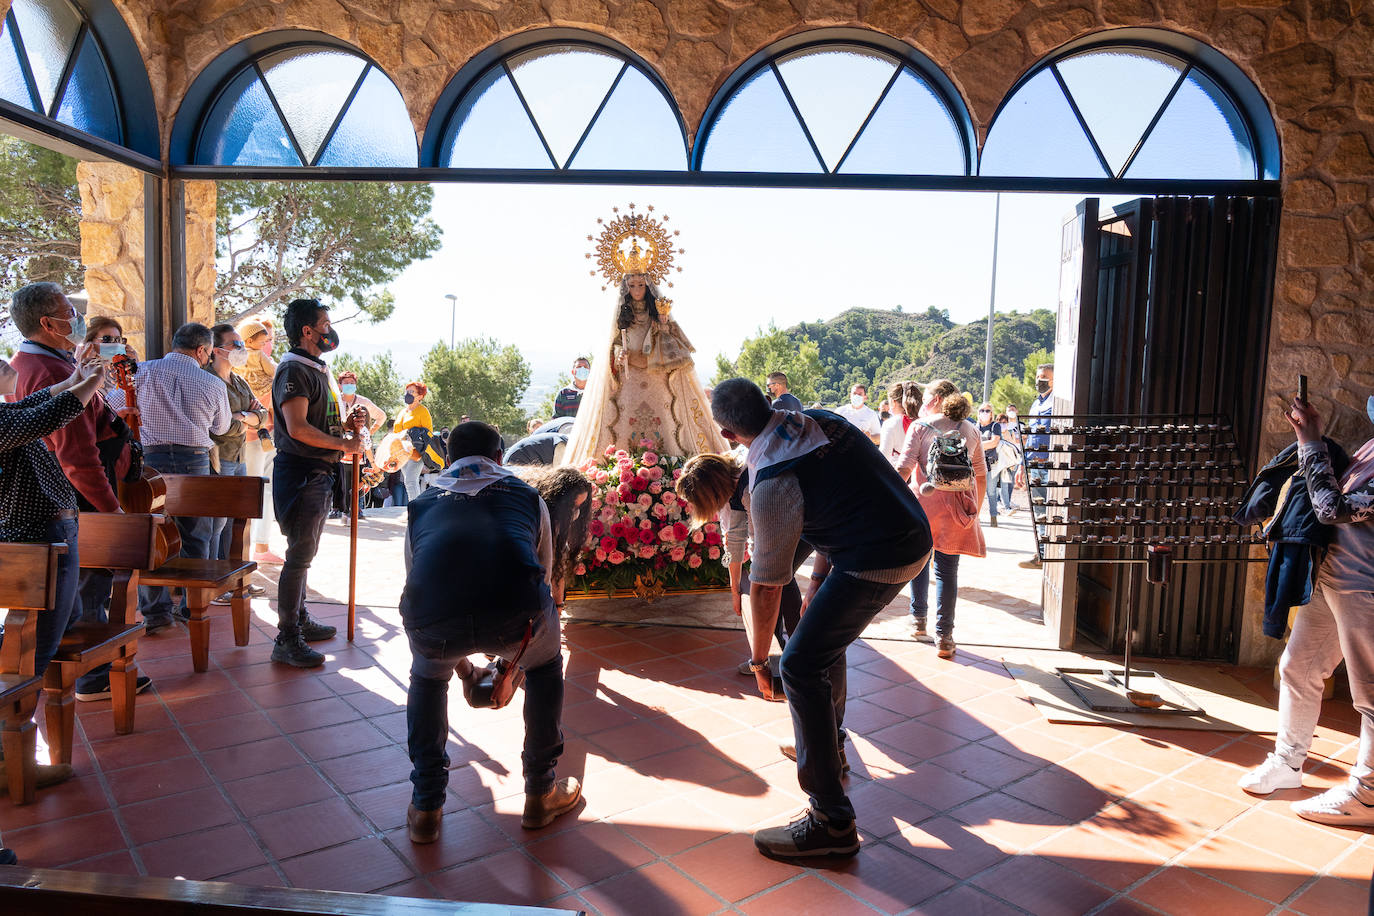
(329, 341)
(1042, 385)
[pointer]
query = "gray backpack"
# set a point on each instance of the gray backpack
(948, 466)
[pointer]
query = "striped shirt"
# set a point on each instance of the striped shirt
(178, 402)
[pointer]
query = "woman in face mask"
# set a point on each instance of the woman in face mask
(247, 417)
(257, 335)
(415, 415)
(1338, 623)
(348, 395)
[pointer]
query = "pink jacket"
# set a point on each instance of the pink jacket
(954, 526)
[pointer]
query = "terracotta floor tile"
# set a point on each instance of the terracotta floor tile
(982, 764)
(209, 736)
(340, 740)
(174, 815)
(150, 715)
(214, 852)
(115, 863)
(238, 761)
(958, 721)
(261, 876)
(766, 796)
(907, 700)
(596, 716)
(1125, 906)
(1062, 792)
(1152, 831)
(362, 866)
(1179, 890)
(1182, 801)
(1252, 870)
(298, 830)
(1106, 861)
(211, 707)
(378, 767)
(1042, 887)
(882, 811)
(154, 780)
(588, 854)
(732, 868)
(330, 710)
(670, 826)
(967, 900)
(463, 837)
(1108, 774)
(656, 889)
(1355, 865)
(278, 790)
(935, 787)
(1009, 821)
(692, 766)
(948, 845)
(81, 795)
(1333, 895)
(287, 693)
(45, 846)
(385, 806)
(138, 748)
(195, 684)
(807, 896)
(638, 740)
(508, 877)
(920, 741)
(887, 879)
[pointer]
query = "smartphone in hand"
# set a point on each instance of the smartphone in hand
(1302, 389)
(109, 351)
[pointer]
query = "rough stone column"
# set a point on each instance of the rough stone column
(200, 198)
(112, 227)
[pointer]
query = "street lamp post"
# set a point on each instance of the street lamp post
(453, 317)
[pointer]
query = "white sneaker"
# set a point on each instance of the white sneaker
(1338, 807)
(1273, 774)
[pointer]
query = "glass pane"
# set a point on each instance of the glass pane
(636, 130)
(1201, 135)
(311, 86)
(48, 29)
(13, 87)
(243, 128)
(1036, 135)
(758, 132)
(834, 91)
(376, 131)
(492, 131)
(563, 87)
(911, 133)
(1119, 92)
(88, 102)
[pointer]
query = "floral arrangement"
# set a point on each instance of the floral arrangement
(640, 538)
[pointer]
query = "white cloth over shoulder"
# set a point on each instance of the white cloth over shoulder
(787, 436)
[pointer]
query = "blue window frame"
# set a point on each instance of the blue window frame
(307, 105)
(52, 63)
(564, 106)
(837, 108)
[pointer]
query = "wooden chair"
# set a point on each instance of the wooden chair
(123, 544)
(209, 496)
(28, 585)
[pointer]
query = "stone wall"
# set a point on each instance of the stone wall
(199, 197)
(112, 233)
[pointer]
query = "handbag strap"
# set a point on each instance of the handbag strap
(525, 644)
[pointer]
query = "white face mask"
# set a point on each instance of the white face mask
(856, 400)
(238, 358)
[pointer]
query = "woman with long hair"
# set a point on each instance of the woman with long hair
(567, 492)
(644, 386)
(414, 415)
(953, 515)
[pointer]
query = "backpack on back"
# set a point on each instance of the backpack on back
(948, 466)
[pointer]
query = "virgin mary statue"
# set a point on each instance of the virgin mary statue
(644, 384)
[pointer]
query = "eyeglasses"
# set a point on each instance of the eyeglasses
(236, 345)
(110, 338)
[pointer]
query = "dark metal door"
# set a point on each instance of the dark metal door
(1173, 320)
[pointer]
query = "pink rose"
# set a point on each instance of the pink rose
(693, 562)
(655, 488)
(710, 527)
(643, 473)
(677, 553)
(625, 491)
(668, 497)
(646, 443)
(656, 473)
(646, 552)
(608, 544)
(713, 537)
(638, 484)
(600, 478)
(660, 511)
(645, 525)
(646, 536)
(645, 500)
(622, 455)
(597, 527)
(625, 475)
(713, 553)
(580, 569)
(615, 557)
(696, 537)
(610, 450)
(665, 534)
(649, 459)
(600, 555)
(677, 472)
(680, 532)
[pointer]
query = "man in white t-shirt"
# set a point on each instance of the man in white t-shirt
(860, 414)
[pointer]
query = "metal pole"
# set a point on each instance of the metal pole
(992, 301)
(453, 318)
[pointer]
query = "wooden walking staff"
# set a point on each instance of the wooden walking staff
(353, 545)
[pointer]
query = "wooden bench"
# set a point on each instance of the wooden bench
(209, 496)
(28, 585)
(38, 891)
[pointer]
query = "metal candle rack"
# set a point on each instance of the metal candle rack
(1099, 469)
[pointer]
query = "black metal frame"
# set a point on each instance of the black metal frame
(84, 32)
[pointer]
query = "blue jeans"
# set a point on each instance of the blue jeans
(224, 527)
(156, 601)
(946, 592)
(1008, 481)
(813, 677)
(66, 609)
(992, 498)
(302, 492)
(435, 651)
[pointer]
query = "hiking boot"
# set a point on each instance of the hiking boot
(423, 826)
(47, 774)
(917, 625)
(1338, 807)
(1032, 563)
(256, 591)
(992, 521)
(222, 599)
(157, 622)
(540, 810)
(812, 834)
(1273, 774)
(103, 693)
(789, 750)
(314, 631)
(290, 649)
(944, 647)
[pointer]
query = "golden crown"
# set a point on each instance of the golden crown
(634, 243)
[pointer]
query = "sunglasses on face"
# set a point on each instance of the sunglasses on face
(110, 338)
(236, 345)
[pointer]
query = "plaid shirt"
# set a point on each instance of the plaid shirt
(178, 402)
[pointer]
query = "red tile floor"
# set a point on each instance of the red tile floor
(968, 801)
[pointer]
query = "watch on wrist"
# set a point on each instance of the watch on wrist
(756, 667)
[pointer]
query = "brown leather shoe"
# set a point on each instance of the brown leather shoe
(423, 826)
(540, 810)
(48, 774)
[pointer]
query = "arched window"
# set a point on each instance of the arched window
(1121, 111)
(837, 108)
(52, 63)
(564, 106)
(306, 105)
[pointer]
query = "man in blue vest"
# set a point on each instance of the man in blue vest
(1036, 444)
(478, 554)
(815, 478)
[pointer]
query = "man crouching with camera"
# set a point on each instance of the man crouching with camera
(478, 557)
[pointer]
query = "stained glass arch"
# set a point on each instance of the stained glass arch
(565, 103)
(296, 104)
(1138, 105)
(841, 103)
